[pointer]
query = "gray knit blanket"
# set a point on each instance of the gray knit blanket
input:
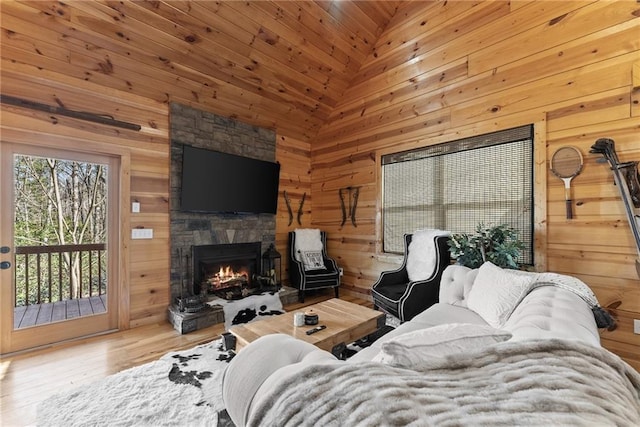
(537, 382)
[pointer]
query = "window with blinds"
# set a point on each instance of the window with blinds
(457, 185)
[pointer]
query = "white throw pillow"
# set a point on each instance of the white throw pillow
(312, 260)
(496, 292)
(421, 259)
(412, 348)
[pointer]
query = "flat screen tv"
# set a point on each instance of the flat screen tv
(225, 183)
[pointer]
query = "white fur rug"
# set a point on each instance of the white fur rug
(181, 388)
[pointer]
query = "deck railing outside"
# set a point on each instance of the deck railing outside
(46, 274)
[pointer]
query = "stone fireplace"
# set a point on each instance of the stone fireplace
(188, 229)
(202, 129)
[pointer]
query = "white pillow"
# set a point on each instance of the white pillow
(312, 260)
(413, 348)
(496, 292)
(421, 259)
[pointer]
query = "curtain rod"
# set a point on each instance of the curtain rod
(91, 117)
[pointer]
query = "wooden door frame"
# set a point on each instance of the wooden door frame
(118, 299)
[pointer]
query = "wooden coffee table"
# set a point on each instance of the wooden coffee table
(345, 322)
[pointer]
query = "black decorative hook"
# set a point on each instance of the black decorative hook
(353, 193)
(300, 211)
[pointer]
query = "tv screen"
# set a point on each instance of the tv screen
(218, 182)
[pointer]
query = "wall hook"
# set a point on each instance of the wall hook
(353, 193)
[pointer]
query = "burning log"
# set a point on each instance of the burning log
(233, 281)
(227, 278)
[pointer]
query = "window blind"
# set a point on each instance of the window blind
(457, 185)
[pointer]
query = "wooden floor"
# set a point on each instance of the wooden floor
(40, 314)
(31, 377)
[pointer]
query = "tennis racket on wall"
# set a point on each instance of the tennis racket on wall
(566, 163)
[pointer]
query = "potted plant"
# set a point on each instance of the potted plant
(498, 244)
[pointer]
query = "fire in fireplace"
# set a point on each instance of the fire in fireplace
(229, 271)
(224, 277)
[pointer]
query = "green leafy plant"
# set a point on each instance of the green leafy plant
(498, 244)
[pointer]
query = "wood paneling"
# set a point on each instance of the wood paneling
(445, 70)
(144, 169)
(268, 63)
(623, 341)
(342, 83)
(280, 65)
(295, 180)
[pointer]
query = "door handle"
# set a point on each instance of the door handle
(4, 265)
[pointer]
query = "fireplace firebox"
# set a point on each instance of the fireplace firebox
(229, 271)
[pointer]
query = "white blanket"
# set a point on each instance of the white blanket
(307, 239)
(541, 382)
(422, 256)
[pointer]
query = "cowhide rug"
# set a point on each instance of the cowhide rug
(181, 388)
(249, 309)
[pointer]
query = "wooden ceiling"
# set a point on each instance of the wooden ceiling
(278, 64)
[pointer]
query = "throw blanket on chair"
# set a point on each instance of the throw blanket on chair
(537, 382)
(307, 239)
(422, 258)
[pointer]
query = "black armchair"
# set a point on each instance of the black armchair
(397, 295)
(313, 269)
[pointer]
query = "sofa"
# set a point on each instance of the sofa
(499, 348)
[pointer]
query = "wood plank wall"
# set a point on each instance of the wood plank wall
(295, 179)
(446, 70)
(145, 263)
(441, 70)
(144, 162)
(58, 53)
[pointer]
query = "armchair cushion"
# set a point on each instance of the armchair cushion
(320, 272)
(395, 290)
(312, 260)
(422, 257)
